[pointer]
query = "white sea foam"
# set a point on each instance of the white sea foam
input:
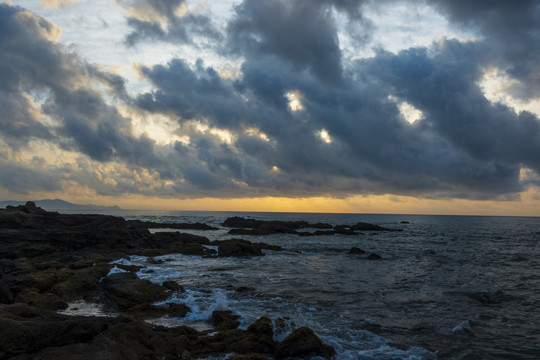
(122, 261)
(114, 270)
(83, 308)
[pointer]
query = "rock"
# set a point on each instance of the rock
(262, 327)
(284, 325)
(237, 247)
(175, 242)
(355, 250)
(260, 227)
(178, 310)
(45, 301)
(127, 290)
(373, 256)
(83, 283)
(303, 343)
(225, 320)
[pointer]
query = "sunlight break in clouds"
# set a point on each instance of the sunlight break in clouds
(323, 134)
(294, 98)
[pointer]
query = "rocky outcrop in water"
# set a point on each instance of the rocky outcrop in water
(246, 226)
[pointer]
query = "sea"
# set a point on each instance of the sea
(446, 287)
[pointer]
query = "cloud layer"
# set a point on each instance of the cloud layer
(297, 118)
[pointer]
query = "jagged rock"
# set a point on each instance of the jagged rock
(127, 290)
(303, 343)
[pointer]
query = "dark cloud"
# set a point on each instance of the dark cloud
(510, 32)
(301, 32)
(444, 85)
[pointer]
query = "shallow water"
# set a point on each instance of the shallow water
(446, 287)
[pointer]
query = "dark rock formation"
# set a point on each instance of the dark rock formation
(127, 290)
(355, 250)
(225, 320)
(245, 226)
(237, 247)
(303, 343)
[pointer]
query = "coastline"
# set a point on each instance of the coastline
(51, 259)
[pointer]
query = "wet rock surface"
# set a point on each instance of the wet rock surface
(49, 259)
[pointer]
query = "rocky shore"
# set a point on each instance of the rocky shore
(48, 260)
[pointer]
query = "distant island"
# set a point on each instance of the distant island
(58, 204)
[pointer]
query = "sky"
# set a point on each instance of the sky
(357, 106)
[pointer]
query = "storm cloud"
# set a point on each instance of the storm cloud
(297, 118)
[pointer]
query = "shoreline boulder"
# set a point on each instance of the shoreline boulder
(303, 343)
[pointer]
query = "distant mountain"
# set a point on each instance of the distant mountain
(57, 204)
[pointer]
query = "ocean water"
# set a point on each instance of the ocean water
(447, 287)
